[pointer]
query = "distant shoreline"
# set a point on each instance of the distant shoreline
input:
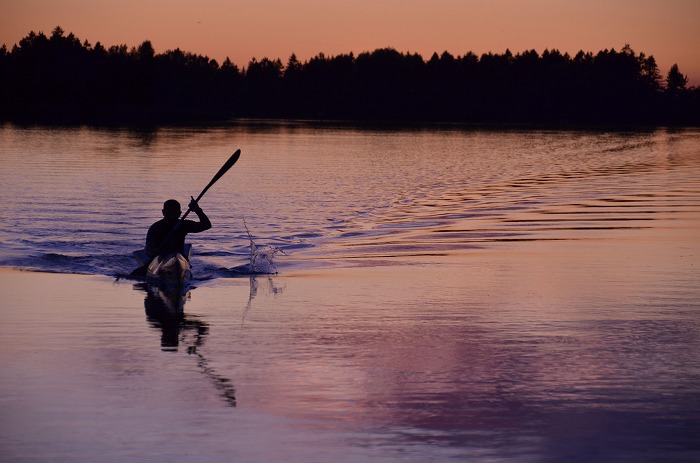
(356, 124)
(61, 80)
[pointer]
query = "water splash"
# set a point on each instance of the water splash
(261, 260)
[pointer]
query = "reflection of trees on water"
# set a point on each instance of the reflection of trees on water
(165, 311)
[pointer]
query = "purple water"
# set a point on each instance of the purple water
(443, 294)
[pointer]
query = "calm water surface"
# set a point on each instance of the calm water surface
(443, 294)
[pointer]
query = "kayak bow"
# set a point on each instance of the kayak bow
(170, 270)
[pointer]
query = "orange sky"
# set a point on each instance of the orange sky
(242, 29)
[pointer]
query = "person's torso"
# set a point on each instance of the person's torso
(168, 243)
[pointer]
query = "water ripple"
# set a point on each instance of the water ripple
(403, 193)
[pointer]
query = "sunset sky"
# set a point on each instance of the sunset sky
(243, 29)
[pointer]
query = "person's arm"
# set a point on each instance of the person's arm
(204, 222)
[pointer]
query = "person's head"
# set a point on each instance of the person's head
(171, 209)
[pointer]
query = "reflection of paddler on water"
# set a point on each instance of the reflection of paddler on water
(165, 311)
(166, 265)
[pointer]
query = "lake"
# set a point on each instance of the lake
(436, 293)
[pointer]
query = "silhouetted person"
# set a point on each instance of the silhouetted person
(167, 236)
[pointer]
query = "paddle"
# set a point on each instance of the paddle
(141, 271)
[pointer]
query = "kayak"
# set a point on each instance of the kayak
(170, 270)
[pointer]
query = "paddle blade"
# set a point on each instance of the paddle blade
(231, 161)
(139, 272)
(225, 168)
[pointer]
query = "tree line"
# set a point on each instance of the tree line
(61, 79)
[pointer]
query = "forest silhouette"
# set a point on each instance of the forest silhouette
(58, 79)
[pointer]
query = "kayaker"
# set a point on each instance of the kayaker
(159, 239)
